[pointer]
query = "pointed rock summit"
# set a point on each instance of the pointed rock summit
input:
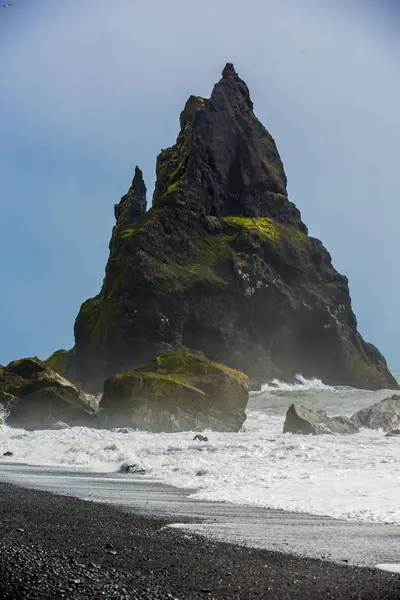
(222, 263)
(133, 205)
(224, 161)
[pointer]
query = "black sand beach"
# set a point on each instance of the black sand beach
(61, 547)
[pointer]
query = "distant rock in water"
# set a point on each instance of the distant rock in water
(178, 391)
(222, 263)
(394, 433)
(132, 469)
(60, 425)
(200, 438)
(38, 397)
(302, 420)
(381, 415)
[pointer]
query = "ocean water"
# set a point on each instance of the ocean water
(354, 477)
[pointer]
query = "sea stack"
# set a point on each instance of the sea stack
(222, 263)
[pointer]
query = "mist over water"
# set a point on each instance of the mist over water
(352, 477)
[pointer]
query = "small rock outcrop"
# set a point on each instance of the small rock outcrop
(200, 438)
(133, 205)
(381, 415)
(132, 469)
(59, 425)
(38, 397)
(222, 263)
(63, 362)
(178, 391)
(6, 400)
(302, 420)
(394, 433)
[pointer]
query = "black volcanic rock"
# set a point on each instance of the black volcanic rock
(381, 415)
(51, 405)
(133, 205)
(34, 396)
(177, 391)
(222, 263)
(302, 420)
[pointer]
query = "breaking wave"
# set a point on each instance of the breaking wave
(350, 477)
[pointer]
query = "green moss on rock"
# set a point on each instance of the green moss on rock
(58, 361)
(264, 225)
(98, 313)
(177, 391)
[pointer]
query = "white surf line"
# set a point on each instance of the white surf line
(391, 567)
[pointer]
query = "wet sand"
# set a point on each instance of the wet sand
(53, 546)
(357, 544)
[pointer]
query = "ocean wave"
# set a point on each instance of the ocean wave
(348, 477)
(301, 386)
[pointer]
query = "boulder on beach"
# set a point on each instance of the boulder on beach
(177, 391)
(381, 415)
(37, 397)
(302, 420)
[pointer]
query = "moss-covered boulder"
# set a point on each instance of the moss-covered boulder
(222, 263)
(177, 391)
(34, 396)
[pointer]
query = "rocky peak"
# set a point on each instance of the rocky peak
(222, 263)
(231, 91)
(229, 71)
(133, 204)
(224, 162)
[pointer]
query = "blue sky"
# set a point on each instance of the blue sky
(89, 88)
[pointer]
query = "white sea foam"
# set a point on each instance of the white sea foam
(350, 477)
(302, 384)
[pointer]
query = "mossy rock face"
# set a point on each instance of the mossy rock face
(63, 362)
(33, 395)
(177, 391)
(58, 361)
(222, 263)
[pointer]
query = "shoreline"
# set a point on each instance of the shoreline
(57, 546)
(356, 543)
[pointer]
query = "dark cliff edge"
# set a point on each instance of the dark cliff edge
(222, 263)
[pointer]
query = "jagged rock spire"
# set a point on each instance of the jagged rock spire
(231, 91)
(225, 163)
(133, 205)
(229, 71)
